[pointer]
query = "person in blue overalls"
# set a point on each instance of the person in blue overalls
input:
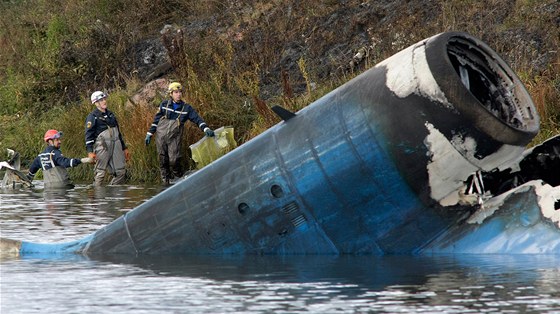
(169, 123)
(104, 142)
(53, 163)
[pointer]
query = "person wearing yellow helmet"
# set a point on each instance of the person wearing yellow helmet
(104, 142)
(173, 87)
(53, 163)
(169, 123)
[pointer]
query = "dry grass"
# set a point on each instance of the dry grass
(545, 92)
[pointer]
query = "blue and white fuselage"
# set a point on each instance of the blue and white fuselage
(377, 166)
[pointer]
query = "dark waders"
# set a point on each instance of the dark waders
(168, 141)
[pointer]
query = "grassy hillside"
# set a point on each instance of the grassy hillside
(237, 58)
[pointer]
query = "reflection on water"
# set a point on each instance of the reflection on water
(62, 215)
(245, 284)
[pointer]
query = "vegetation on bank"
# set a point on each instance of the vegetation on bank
(238, 59)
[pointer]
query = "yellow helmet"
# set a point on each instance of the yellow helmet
(173, 87)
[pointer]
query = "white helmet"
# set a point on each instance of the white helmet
(97, 96)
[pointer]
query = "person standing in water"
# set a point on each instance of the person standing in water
(169, 122)
(104, 142)
(53, 163)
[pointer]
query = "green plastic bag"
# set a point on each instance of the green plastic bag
(209, 149)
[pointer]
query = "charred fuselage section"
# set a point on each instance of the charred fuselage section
(370, 168)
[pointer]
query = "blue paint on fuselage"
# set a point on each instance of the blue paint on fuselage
(54, 248)
(347, 174)
(516, 227)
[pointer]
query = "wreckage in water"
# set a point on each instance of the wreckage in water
(377, 166)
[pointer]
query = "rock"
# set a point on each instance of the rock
(149, 92)
(150, 59)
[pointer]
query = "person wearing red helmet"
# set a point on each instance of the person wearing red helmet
(53, 163)
(104, 142)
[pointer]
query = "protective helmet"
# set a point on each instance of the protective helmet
(51, 135)
(97, 96)
(173, 87)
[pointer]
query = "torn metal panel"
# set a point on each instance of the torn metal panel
(525, 220)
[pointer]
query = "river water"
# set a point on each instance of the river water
(245, 284)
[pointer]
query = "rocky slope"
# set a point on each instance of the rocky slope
(337, 38)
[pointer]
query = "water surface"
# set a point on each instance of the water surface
(244, 284)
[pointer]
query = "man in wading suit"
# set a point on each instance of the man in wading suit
(169, 123)
(53, 163)
(104, 142)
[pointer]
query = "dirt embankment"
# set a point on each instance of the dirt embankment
(330, 39)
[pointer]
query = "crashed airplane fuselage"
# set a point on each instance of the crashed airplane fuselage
(376, 166)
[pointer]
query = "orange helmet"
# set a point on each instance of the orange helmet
(51, 135)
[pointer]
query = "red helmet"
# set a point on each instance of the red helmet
(51, 135)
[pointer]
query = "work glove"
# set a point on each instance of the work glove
(208, 131)
(148, 139)
(126, 154)
(87, 160)
(92, 155)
